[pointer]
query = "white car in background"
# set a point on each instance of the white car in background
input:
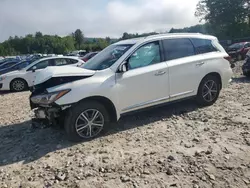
(23, 79)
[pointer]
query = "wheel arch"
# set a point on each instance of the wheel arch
(108, 104)
(18, 79)
(216, 74)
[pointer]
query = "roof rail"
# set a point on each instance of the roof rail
(167, 34)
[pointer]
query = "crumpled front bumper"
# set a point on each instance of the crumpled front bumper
(46, 116)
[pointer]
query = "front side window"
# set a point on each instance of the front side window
(107, 57)
(203, 46)
(41, 65)
(178, 48)
(146, 55)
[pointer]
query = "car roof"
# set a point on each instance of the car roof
(49, 58)
(165, 36)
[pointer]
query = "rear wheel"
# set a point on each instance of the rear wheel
(209, 91)
(18, 85)
(86, 121)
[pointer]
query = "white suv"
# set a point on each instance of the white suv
(128, 76)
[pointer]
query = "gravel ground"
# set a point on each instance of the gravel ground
(178, 145)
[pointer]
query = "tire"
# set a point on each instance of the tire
(208, 91)
(76, 118)
(18, 85)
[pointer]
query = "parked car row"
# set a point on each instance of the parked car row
(25, 72)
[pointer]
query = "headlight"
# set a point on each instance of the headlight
(49, 98)
(2, 78)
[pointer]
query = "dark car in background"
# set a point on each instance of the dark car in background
(8, 64)
(246, 65)
(88, 56)
(17, 66)
(238, 51)
(5, 60)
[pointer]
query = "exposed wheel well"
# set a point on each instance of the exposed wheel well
(19, 79)
(108, 104)
(217, 75)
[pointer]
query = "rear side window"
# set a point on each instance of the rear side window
(71, 61)
(178, 48)
(60, 62)
(203, 46)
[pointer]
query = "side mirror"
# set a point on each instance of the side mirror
(34, 69)
(123, 67)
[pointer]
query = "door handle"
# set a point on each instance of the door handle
(159, 73)
(200, 63)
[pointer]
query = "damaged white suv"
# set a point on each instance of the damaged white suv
(128, 76)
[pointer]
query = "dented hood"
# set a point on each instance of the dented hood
(63, 71)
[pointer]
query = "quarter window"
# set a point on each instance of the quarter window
(146, 55)
(203, 46)
(178, 48)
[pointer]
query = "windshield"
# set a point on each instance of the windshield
(236, 46)
(107, 57)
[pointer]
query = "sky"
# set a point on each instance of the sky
(96, 18)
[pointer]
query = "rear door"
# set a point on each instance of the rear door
(185, 67)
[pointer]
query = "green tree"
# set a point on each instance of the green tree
(228, 18)
(79, 38)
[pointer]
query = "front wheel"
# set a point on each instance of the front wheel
(208, 91)
(18, 85)
(86, 121)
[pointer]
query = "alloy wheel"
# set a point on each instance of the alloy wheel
(209, 91)
(89, 123)
(18, 85)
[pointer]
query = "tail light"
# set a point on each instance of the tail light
(230, 60)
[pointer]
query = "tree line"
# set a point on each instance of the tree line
(51, 44)
(226, 19)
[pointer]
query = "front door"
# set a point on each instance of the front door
(146, 81)
(32, 71)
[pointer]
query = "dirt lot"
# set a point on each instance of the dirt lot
(178, 145)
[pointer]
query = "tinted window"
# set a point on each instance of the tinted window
(148, 54)
(178, 48)
(203, 46)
